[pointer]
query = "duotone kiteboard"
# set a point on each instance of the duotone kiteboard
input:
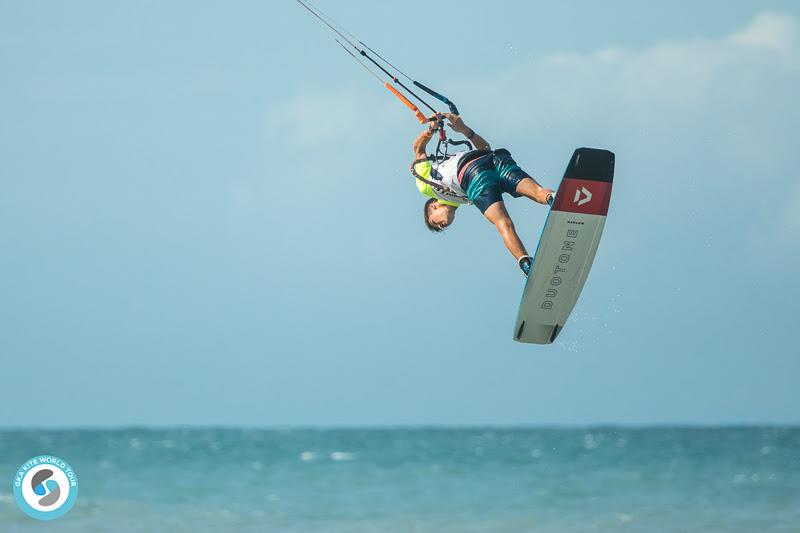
(567, 247)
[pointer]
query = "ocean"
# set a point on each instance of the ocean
(418, 479)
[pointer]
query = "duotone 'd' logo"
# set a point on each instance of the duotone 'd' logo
(582, 196)
(45, 487)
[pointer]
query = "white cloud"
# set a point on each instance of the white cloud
(667, 83)
(675, 91)
(769, 30)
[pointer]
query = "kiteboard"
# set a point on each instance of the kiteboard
(567, 246)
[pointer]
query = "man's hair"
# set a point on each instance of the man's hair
(431, 227)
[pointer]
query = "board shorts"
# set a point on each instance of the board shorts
(487, 177)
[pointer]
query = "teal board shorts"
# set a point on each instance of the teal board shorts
(486, 178)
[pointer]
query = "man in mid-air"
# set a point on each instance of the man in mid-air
(479, 177)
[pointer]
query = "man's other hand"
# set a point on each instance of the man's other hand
(455, 123)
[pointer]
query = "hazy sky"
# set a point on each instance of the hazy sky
(206, 214)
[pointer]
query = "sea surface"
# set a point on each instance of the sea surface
(401, 480)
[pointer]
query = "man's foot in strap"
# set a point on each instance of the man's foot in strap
(525, 263)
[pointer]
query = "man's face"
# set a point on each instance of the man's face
(440, 215)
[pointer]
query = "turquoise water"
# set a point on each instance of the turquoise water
(439, 480)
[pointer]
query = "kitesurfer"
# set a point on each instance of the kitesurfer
(480, 177)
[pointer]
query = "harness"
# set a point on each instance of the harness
(441, 154)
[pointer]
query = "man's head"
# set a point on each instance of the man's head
(438, 215)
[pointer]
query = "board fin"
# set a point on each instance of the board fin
(519, 331)
(553, 335)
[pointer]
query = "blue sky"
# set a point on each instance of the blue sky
(207, 215)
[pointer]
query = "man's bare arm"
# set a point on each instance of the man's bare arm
(421, 142)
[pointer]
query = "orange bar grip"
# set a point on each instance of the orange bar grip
(422, 119)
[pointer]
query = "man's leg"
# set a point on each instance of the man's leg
(516, 181)
(497, 215)
(528, 188)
